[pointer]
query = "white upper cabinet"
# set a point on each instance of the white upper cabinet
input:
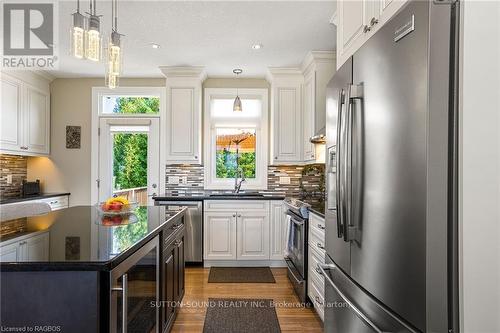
(37, 120)
(183, 109)
(318, 68)
(309, 116)
(286, 115)
(358, 20)
(11, 113)
(25, 115)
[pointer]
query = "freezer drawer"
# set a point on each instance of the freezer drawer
(350, 309)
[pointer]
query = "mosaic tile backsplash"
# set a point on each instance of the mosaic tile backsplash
(17, 166)
(308, 179)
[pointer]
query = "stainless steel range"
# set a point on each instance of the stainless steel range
(297, 214)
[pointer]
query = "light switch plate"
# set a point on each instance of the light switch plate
(285, 180)
(9, 179)
(183, 180)
(173, 180)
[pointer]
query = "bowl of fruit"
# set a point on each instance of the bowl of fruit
(117, 206)
(117, 219)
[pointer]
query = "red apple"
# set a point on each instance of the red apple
(115, 206)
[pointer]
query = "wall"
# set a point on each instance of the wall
(480, 167)
(17, 167)
(69, 169)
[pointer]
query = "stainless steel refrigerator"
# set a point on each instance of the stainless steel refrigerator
(391, 225)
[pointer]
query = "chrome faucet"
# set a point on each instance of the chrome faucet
(237, 184)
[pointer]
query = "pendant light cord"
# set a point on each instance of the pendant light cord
(78, 6)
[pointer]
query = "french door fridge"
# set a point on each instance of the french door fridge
(391, 138)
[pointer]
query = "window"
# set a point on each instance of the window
(238, 140)
(130, 105)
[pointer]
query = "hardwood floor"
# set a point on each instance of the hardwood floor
(292, 319)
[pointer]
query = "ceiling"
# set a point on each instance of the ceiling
(216, 34)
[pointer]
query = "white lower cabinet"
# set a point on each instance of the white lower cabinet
(220, 235)
(278, 230)
(26, 248)
(252, 229)
(244, 230)
(316, 257)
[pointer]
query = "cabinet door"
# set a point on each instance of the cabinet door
(278, 231)
(309, 115)
(11, 114)
(37, 248)
(168, 286)
(220, 235)
(351, 32)
(253, 235)
(10, 253)
(37, 121)
(183, 123)
(179, 268)
(287, 125)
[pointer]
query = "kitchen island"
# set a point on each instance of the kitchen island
(74, 271)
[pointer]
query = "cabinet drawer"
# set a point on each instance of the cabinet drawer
(317, 240)
(236, 205)
(318, 300)
(314, 262)
(56, 203)
(317, 223)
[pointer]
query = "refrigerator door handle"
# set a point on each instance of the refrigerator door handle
(347, 165)
(338, 165)
(358, 312)
(352, 92)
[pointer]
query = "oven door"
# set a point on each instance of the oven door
(297, 242)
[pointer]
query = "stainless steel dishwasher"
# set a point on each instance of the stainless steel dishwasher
(193, 247)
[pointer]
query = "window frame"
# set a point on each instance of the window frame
(211, 182)
(128, 92)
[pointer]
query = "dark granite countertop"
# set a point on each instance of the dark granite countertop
(80, 239)
(32, 197)
(199, 195)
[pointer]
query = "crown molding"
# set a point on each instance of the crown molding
(197, 72)
(283, 72)
(317, 57)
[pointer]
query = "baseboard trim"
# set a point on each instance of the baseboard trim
(244, 263)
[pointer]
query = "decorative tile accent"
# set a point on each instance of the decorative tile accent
(193, 173)
(73, 137)
(13, 226)
(17, 166)
(306, 180)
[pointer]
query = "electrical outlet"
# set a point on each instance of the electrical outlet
(9, 179)
(285, 180)
(173, 180)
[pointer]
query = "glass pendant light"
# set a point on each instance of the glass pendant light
(114, 54)
(93, 47)
(77, 34)
(237, 101)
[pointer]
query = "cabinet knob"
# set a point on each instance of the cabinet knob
(239, 215)
(234, 215)
(275, 157)
(319, 245)
(195, 157)
(318, 300)
(24, 147)
(320, 226)
(366, 29)
(373, 21)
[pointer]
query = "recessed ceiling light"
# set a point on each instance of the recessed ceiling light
(155, 46)
(256, 46)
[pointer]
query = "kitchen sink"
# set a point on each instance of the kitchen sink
(240, 194)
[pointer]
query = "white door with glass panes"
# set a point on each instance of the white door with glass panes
(129, 166)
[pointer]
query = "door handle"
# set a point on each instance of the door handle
(338, 163)
(346, 299)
